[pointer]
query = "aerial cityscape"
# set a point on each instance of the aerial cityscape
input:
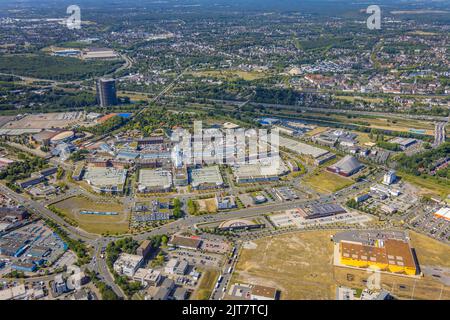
(224, 150)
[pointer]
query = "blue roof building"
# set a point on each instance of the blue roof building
(24, 266)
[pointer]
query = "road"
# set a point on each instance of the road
(439, 133)
(98, 264)
(38, 208)
(164, 91)
(227, 271)
(339, 111)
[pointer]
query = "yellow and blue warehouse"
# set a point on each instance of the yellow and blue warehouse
(386, 255)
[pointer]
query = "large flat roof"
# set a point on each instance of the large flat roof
(391, 252)
(259, 170)
(105, 176)
(403, 141)
(263, 291)
(301, 148)
(206, 175)
(155, 178)
(185, 242)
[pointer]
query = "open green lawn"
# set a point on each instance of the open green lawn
(327, 182)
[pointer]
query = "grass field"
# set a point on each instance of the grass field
(300, 266)
(327, 182)
(363, 137)
(92, 223)
(206, 286)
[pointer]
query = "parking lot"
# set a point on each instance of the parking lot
(403, 203)
(214, 246)
(198, 258)
(427, 223)
(291, 218)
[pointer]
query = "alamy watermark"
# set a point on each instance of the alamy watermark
(73, 22)
(374, 20)
(374, 279)
(229, 146)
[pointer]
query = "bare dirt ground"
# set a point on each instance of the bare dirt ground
(300, 266)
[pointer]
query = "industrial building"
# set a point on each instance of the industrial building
(390, 255)
(185, 242)
(180, 177)
(99, 53)
(324, 158)
(16, 213)
(67, 53)
(44, 137)
(24, 266)
(404, 143)
(285, 193)
(321, 211)
(361, 198)
(154, 180)
(241, 291)
(384, 190)
(150, 141)
(206, 178)
(263, 293)
(31, 181)
(180, 294)
(346, 167)
(106, 92)
(443, 213)
(106, 180)
(258, 172)
(49, 171)
(13, 247)
(301, 148)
